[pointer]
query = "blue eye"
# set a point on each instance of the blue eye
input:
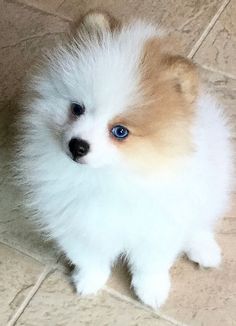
(119, 132)
(77, 109)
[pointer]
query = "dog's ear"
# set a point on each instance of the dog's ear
(184, 75)
(95, 22)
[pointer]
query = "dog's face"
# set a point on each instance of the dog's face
(117, 97)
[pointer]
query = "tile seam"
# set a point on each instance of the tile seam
(225, 74)
(47, 271)
(138, 304)
(45, 11)
(26, 254)
(29, 39)
(207, 30)
(60, 5)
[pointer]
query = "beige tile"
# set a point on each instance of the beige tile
(16, 63)
(205, 297)
(17, 231)
(19, 22)
(188, 21)
(51, 5)
(228, 226)
(25, 33)
(56, 304)
(18, 274)
(219, 48)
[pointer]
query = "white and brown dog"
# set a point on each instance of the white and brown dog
(123, 153)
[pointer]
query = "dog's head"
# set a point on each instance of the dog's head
(118, 96)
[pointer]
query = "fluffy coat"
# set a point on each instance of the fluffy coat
(151, 197)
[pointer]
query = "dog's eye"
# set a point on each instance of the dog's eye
(119, 132)
(77, 109)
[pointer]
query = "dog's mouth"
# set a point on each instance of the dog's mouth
(80, 160)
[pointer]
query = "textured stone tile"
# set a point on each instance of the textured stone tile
(17, 231)
(16, 63)
(18, 274)
(205, 297)
(228, 226)
(188, 21)
(51, 5)
(56, 304)
(19, 22)
(219, 48)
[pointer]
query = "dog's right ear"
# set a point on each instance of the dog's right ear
(96, 22)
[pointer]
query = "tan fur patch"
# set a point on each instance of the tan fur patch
(95, 21)
(160, 126)
(91, 28)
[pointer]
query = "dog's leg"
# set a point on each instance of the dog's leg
(92, 267)
(90, 277)
(150, 269)
(203, 249)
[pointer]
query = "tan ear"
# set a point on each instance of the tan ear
(97, 21)
(184, 74)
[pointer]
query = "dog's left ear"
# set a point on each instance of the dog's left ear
(96, 22)
(184, 75)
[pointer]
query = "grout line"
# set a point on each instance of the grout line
(225, 74)
(42, 262)
(2, 242)
(30, 38)
(138, 304)
(44, 10)
(208, 29)
(47, 270)
(60, 5)
(194, 17)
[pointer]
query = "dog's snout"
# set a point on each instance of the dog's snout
(78, 148)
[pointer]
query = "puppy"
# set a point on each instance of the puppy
(122, 153)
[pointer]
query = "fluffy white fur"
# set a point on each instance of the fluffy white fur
(99, 210)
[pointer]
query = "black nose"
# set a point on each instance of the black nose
(78, 148)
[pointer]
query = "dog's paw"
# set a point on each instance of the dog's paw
(205, 251)
(152, 290)
(89, 282)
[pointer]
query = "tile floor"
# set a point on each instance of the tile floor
(33, 288)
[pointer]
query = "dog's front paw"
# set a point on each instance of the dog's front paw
(205, 251)
(152, 290)
(89, 282)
